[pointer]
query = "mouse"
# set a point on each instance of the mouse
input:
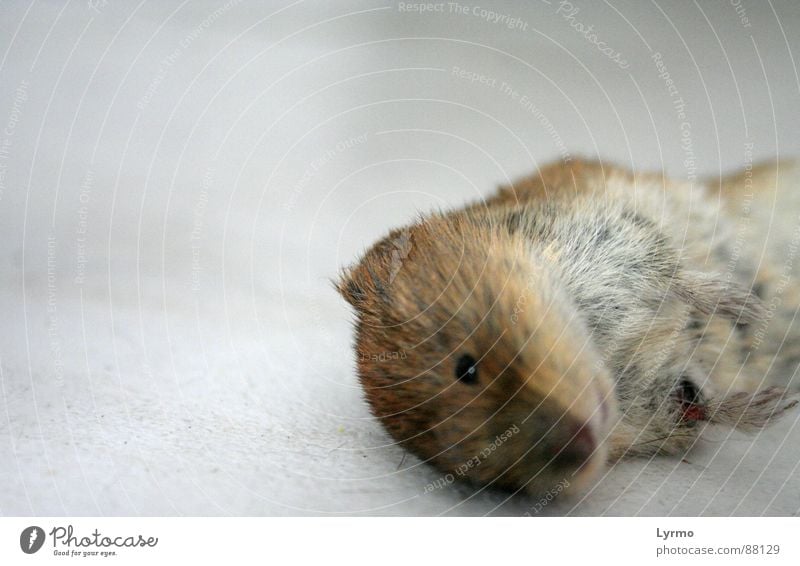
(581, 315)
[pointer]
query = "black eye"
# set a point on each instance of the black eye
(690, 400)
(466, 370)
(687, 392)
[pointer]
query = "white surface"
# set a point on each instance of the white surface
(203, 364)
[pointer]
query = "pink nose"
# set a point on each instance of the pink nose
(579, 448)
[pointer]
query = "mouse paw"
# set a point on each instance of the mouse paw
(752, 411)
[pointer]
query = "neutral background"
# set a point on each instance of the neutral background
(179, 182)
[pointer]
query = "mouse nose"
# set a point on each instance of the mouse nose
(577, 450)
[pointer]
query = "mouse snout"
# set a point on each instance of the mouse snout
(576, 450)
(560, 446)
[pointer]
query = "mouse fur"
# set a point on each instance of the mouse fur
(608, 313)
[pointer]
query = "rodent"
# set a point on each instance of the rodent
(581, 315)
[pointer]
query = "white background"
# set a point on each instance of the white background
(181, 180)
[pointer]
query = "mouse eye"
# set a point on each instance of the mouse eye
(466, 370)
(691, 402)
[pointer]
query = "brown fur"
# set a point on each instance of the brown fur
(580, 292)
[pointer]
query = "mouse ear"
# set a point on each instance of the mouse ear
(374, 274)
(713, 295)
(363, 284)
(350, 288)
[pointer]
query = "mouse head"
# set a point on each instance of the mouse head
(473, 358)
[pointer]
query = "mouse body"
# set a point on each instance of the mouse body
(581, 315)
